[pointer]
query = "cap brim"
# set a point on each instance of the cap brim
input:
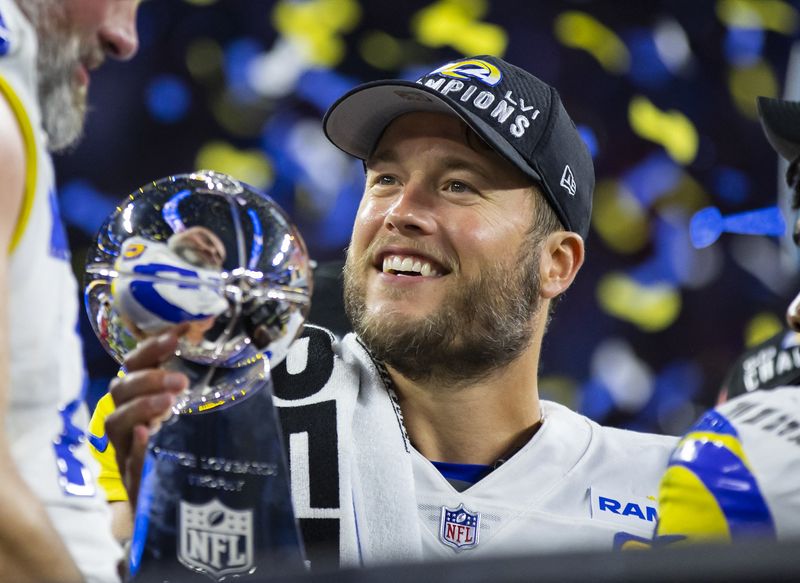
(781, 122)
(357, 120)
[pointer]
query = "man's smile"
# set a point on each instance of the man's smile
(409, 266)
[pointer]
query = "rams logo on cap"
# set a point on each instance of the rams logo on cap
(477, 69)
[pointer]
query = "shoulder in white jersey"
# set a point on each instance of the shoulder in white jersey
(46, 416)
(734, 475)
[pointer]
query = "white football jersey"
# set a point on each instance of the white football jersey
(574, 485)
(358, 485)
(47, 416)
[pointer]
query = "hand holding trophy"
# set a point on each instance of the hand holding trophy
(206, 250)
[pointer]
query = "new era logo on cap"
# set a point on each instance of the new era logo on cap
(568, 181)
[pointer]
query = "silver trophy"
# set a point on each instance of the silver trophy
(212, 252)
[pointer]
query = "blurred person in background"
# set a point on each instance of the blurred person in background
(735, 474)
(55, 524)
(426, 434)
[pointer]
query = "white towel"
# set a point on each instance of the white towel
(361, 491)
(383, 482)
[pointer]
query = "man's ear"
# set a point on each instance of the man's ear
(561, 258)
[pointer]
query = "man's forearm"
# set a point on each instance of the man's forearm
(30, 548)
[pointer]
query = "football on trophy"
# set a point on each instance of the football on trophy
(209, 252)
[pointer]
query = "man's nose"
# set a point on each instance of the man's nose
(118, 34)
(412, 212)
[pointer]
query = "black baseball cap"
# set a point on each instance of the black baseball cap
(518, 115)
(780, 120)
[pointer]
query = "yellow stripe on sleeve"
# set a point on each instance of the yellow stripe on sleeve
(687, 508)
(30, 154)
(109, 479)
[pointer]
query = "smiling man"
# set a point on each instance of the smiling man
(477, 201)
(55, 523)
(472, 222)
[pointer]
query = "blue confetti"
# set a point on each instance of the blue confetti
(238, 57)
(647, 68)
(322, 87)
(708, 224)
(743, 46)
(83, 207)
(168, 98)
(731, 185)
(589, 138)
(596, 400)
(653, 177)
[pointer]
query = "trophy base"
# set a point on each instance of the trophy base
(214, 499)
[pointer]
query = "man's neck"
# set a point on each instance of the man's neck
(475, 423)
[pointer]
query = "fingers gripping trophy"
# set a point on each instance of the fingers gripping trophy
(220, 258)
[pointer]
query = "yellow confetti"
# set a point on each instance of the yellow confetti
(559, 388)
(579, 30)
(761, 327)
(305, 18)
(456, 23)
(650, 307)
(672, 129)
(240, 118)
(618, 217)
(317, 26)
(772, 15)
(688, 195)
(204, 58)
(747, 83)
(250, 166)
(381, 50)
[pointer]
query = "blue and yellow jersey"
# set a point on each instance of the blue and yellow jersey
(735, 474)
(109, 477)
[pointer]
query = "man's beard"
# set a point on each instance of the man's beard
(479, 328)
(62, 100)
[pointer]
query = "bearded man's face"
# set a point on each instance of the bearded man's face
(74, 38)
(442, 274)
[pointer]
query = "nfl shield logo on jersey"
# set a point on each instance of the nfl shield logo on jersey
(215, 539)
(459, 527)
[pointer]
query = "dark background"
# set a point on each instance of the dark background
(664, 92)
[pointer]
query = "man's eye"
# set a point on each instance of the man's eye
(386, 180)
(456, 186)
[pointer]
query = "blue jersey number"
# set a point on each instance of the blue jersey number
(74, 478)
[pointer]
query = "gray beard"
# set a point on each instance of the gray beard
(479, 328)
(62, 103)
